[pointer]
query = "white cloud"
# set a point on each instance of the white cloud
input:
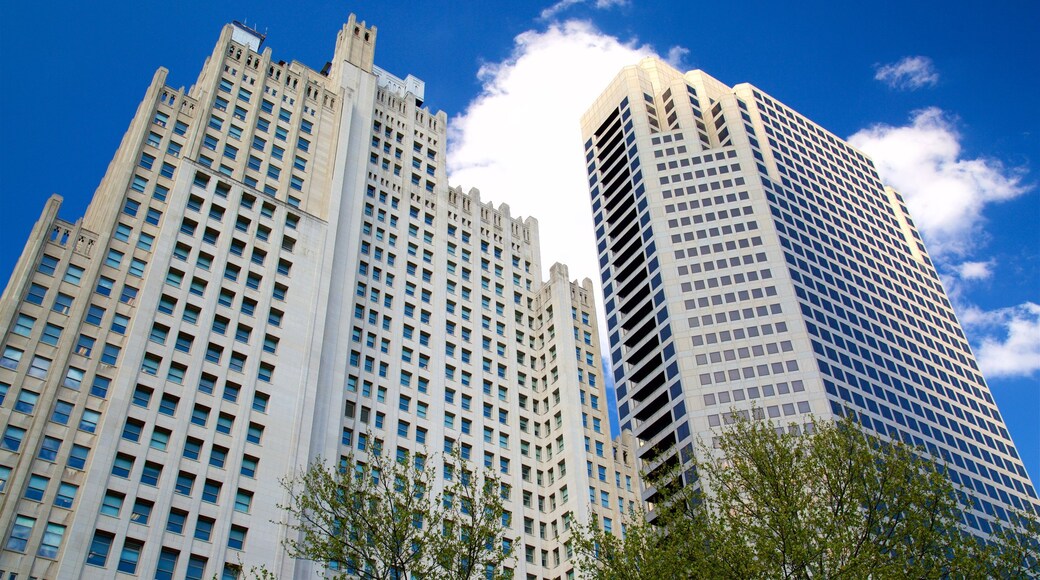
(945, 192)
(1010, 339)
(565, 4)
(676, 56)
(519, 142)
(975, 270)
(910, 73)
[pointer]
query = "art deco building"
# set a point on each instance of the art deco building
(751, 260)
(274, 269)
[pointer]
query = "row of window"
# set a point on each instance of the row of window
(130, 555)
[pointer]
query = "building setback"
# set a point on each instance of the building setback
(754, 262)
(274, 269)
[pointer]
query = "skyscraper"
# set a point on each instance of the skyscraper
(274, 269)
(751, 260)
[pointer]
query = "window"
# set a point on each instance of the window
(112, 503)
(260, 402)
(36, 487)
(48, 264)
(110, 354)
(192, 448)
(151, 473)
(275, 317)
(120, 323)
(128, 295)
(73, 275)
(36, 294)
(196, 568)
(237, 537)
(249, 466)
(123, 231)
(206, 383)
(49, 449)
(167, 564)
(51, 543)
(255, 433)
(88, 421)
(23, 325)
(168, 404)
(184, 342)
(113, 259)
(200, 415)
(204, 528)
(94, 314)
(226, 298)
(20, 532)
(270, 343)
(39, 366)
(176, 520)
(11, 357)
(78, 457)
(141, 512)
(62, 410)
(100, 546)
(130, 555)
(160, 439)
(243, 501)
(137, 267)
(105, 285)
(211, 491)
(132, 430)
(224, 423)
(150, 364)
(26, 401)
(131, 207)
(185, 482)
(167, 304)
(66, 495)
(218, 456)
(214, 352)
(122, 465)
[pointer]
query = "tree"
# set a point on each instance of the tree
(834, 502)
(382, 518)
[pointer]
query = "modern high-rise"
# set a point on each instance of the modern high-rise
(752, 261)
(272, 270)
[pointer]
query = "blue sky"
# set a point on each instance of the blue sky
(936, 92)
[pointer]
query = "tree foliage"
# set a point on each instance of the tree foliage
(381, 518)
(836, 502)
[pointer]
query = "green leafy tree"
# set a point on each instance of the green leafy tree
(381, 519)
(836, 502)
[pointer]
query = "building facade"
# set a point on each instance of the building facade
(272, 270)
(753, 262)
